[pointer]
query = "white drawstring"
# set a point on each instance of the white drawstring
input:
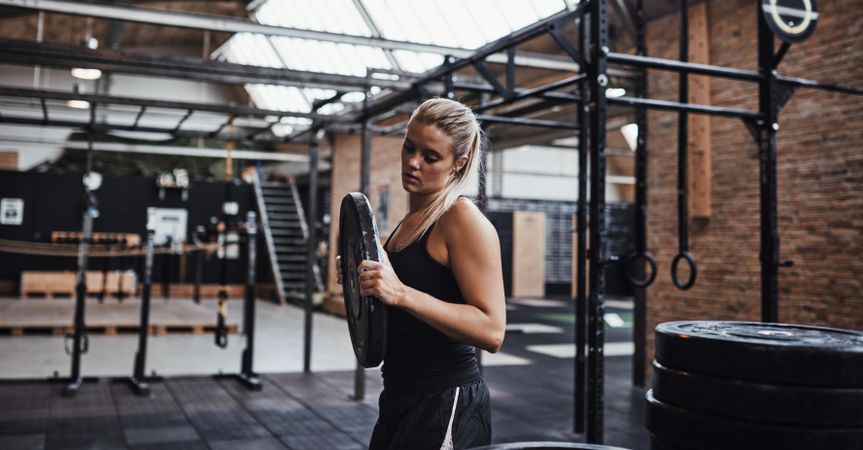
(447, 440)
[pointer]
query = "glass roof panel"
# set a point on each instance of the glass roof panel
(329, 57)
(334, 16)
(251, 49)
(465, 24)
(387, 22)
(278, 98)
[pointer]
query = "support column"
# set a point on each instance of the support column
(769, 254)
(598, 79)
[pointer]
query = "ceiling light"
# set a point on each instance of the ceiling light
(281, 129)
(78, 104)
(86, 74)
(615, 92)
(630, 133)
(353, 97)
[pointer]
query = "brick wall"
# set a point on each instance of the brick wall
(820, 179)
(385, 169)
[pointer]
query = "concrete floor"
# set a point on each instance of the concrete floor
(531, 385)
(278, 348)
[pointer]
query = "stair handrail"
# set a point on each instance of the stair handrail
(268, 238)
(319, 284)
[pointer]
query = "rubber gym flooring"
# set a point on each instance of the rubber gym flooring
(531, 400)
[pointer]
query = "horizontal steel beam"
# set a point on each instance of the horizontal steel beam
(523, 35)
(261, 135)
(31, 53)
(187, 151)
(546, 92)
(238, 110)
(182, 19)
(726, 72)
(670, 64)
(690, 107)
(541, 123)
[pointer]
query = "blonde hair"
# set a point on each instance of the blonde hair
(461, 125)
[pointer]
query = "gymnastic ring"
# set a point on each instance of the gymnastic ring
(651, 273)
(693, 270)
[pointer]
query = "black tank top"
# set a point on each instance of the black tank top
(418, 357)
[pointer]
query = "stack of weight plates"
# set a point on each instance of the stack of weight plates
(749, 385)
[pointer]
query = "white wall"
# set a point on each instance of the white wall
(537, 172)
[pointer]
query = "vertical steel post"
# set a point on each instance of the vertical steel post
(247, 375)
(90, 212)
(311, 246)
(137, 382)
(640, 297)
(365, 188)
(581, 230)
(79, 337)
(598, 79)
(769, 254)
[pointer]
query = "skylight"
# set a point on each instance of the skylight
(463, 24)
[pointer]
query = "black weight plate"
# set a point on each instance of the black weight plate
(758, 402)
(545, 446)
(767, 352)
(688, 429)
(792, 20)
(367, 316)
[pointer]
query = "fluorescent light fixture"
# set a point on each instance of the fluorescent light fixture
(281, 129)
(353, 97)
(615, 92)
(630, 133)
(86, 74)
(78, 104)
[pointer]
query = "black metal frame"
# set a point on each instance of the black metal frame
(247, 376)
(592, 109)
(138, 380)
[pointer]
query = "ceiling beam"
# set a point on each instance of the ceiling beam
(187, 151)
(183, 19)
(258, 135)
(239, 110)
(32, 53)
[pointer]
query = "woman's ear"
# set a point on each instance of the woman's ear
(460, 163)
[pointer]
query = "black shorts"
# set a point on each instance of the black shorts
(430, 420)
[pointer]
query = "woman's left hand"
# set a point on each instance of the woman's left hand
(378, 279)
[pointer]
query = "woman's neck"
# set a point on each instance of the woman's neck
(419, 202)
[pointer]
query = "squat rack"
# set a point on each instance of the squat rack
(594, 55)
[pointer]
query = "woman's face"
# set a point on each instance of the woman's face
(427, 159)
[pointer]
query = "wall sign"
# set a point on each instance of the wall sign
(169, 225)
(11, 211)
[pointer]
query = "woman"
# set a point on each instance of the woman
(442, 279)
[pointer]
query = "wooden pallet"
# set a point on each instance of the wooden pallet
(47, 284)
(111, 282)
(110, 318)
(61, 284)
(110, 330)
(131, 239)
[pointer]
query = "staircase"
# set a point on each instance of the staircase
(284, 227)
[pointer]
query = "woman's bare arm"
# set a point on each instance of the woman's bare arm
(474, 256)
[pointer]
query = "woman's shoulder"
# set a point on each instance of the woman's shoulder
(465, 218)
